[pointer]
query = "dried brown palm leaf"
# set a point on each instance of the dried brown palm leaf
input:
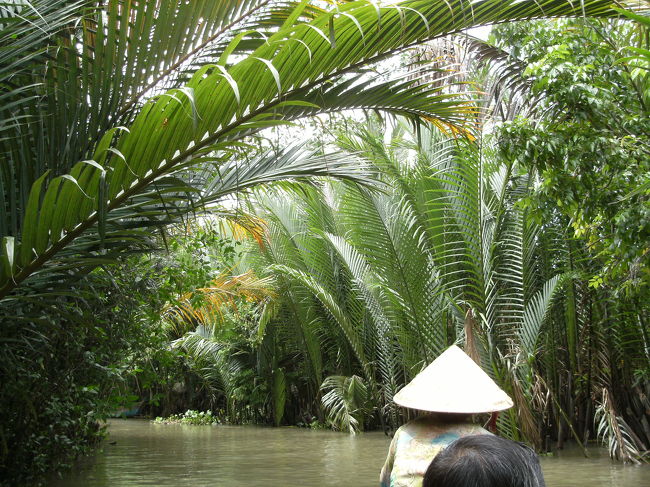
(206, 306)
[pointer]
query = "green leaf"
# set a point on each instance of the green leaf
(274, 72)
(28, 237)
(7, 256)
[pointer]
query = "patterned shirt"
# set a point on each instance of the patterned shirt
(414, 446)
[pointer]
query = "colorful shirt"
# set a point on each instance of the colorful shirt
(414, 446)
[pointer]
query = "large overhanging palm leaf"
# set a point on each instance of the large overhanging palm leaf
(58, 99)
(219, 105)
(76, 68)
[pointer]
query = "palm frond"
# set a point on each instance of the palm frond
(334, 308)
(217, 106)
(535, 312)
(205, 306)
(344, 402)
(613, 430)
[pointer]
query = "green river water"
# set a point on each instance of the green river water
(140, 453)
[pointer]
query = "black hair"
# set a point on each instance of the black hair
(485, 461)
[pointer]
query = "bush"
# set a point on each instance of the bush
(199, 418)
(64, 374)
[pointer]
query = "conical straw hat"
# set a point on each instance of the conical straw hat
(453, 383)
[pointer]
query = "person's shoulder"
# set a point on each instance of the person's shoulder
(461, 428)
(471, 429)
(411, 427)
(424, 426)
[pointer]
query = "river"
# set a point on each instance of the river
(141, 453)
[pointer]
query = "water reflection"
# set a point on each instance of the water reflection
(173, 455)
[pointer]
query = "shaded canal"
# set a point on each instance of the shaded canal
(140, 453)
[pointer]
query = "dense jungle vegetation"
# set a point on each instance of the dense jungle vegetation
(191, 218)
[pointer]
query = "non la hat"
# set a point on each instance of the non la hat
(453, 383)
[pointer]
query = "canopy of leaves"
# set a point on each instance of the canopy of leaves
(587, 137)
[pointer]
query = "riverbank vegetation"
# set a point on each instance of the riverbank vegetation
(168, 240)
(191, 417)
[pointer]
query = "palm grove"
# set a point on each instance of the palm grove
(506, 209)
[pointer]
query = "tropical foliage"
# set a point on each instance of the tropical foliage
(351, 266)
(119, 118)
(127, 128)
(586, 137)
(62, 372)
(377, 269)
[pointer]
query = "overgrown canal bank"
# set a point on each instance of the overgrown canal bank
(169, 455)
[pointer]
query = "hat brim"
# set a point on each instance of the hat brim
(453, 383)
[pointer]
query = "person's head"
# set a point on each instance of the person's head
(484, 461)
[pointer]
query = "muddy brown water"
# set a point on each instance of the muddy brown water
(148, 454)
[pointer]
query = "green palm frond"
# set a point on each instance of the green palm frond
(286, 222)
(369, 286)
(218, 105)
(535, 313)
(345, 402)
(460, 220)
(215, 364)
(351, 330)
(292, 163)
(387, 231)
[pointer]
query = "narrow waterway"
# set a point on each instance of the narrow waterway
(140, 453)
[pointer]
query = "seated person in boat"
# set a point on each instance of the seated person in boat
(448, 391)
